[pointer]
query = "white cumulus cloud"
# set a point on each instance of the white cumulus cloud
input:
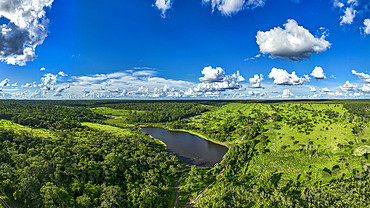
(313, 89)
(256, 93)
(62, 74)
(214, 80)
(48, 88)
(239, 78)
(293, 42)
(37, 93)
(163, 6)
(59, 91)
(338, 3)
(27, 85)
(282, 77)
(27, 28)
(367, 26)
(365, 88)
(348, 16)
(49, 78)
(286, 93)
(212, 75)
(318, 73)
(4, 83)
(325, 89)
(230, 7)
(363, 77)
(348, 87)
(256, 81)
(353, 2)
(217, 86)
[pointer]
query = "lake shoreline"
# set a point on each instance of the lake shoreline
(189, 148)
(227, 145)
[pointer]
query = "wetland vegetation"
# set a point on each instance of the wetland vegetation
(91, 154)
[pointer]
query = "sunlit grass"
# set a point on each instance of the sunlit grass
(115, 112)
(19, 128)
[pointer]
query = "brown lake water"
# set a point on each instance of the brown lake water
(191, 149)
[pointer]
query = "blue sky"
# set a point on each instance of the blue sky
(172, 49)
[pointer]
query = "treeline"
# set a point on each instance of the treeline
(156, 112)
(359, 108)
(246, 127)
(46, 114)
(88, 168)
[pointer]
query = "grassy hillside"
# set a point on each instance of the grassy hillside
(20, 128)
(308, 145)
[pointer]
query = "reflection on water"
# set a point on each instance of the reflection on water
(191, 149)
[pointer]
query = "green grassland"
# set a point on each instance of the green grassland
(310, 128)
(308, 139)
(117, 117)
(111, 129)
(20, 128)
(307, 143)
(115, 112)
(227, 124)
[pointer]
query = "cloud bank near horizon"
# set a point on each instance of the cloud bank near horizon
(215, 83)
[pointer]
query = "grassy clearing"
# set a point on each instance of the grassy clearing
(310, 126)
(226, 115)
(115, 112)
(311, 143)
(304, 167)
(19, 128)
(117, 130)
(111, 129)
(118, 121)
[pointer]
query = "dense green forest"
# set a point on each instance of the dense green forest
(90, 154)
(85, 168)
(46, 114)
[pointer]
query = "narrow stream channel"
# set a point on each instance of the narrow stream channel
(191, 149)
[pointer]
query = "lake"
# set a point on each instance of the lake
(191, 149)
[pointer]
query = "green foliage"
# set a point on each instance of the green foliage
(45, 114)
(89, 168)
